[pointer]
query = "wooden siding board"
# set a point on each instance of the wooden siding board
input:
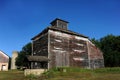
(96, 57)
(3, 59)
(74, 54)
(64, 57)
(67, 50)
(40, 48)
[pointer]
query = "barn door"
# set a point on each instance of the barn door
(62, 59)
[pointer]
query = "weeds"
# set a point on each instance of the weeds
(65, 73)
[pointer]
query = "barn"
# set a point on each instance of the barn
(56, 46)
(4, 61)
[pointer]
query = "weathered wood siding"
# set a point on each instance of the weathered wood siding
(96, 56)
(40, 48)
(64, 49)
(3, 58)
(78, 52)
(40, 45)
(67, 50)
(59, 54)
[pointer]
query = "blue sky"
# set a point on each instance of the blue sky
(20, 20)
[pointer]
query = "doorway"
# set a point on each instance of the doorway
(3, 67)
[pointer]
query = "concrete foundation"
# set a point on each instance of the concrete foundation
(36, 72)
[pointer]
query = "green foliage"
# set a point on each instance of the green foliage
(110, 46)
(27, 49)
(63, 71)
(108, 70)
(21, 59)
(32, 76)
(96, 42)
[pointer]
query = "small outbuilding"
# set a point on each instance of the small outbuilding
(38, 62)
(4, 61)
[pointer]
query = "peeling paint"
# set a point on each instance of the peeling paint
(79, 51)
(68, 50)
(79, 44)
(78, 59)
(58, 40)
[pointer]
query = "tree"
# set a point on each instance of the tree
(110, 46)
(20, 60)
(27, 49)
(96, 42)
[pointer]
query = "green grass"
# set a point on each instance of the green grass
(12, 75)
(65, 74)
(83, 74)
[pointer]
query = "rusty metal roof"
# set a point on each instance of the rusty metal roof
(37, 58)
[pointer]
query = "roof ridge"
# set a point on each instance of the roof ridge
(72, 32)
(4, 53)
(58, 29)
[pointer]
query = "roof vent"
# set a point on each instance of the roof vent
(59, 23)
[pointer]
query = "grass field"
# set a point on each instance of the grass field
(66, 74)
(84, 74)
(12, 75)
